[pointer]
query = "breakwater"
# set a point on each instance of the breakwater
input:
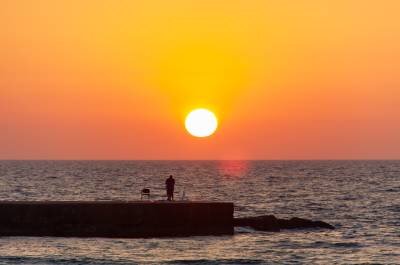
(115, 219)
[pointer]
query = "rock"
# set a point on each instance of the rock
(263, 223)
(295, 223)
(273, 224)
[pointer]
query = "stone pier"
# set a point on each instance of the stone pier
(118, 219)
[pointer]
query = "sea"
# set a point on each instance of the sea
(360, 198)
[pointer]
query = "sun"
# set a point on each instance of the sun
(201, 123)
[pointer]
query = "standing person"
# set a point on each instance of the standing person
(170, 185)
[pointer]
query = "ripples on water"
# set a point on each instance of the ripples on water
(361, 198)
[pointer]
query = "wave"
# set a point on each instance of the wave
(218, 261)
(11, 260)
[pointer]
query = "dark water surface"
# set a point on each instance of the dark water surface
(361, 198)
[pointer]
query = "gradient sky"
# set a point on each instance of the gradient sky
(114, 79)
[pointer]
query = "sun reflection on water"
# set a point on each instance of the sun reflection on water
(233, 168)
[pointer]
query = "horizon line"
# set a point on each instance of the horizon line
(183, 160)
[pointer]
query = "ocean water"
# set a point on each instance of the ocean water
(360, 198)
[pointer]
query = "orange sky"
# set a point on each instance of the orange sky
(114, 79)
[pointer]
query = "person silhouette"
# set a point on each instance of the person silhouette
(170, 185)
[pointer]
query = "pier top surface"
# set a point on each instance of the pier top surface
(115, 202)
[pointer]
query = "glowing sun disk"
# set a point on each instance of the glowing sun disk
(201, 123)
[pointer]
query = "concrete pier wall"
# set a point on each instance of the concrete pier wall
(115, 219)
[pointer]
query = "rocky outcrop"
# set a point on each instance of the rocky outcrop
(273, 224)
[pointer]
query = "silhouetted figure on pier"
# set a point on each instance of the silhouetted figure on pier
(170, 185)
